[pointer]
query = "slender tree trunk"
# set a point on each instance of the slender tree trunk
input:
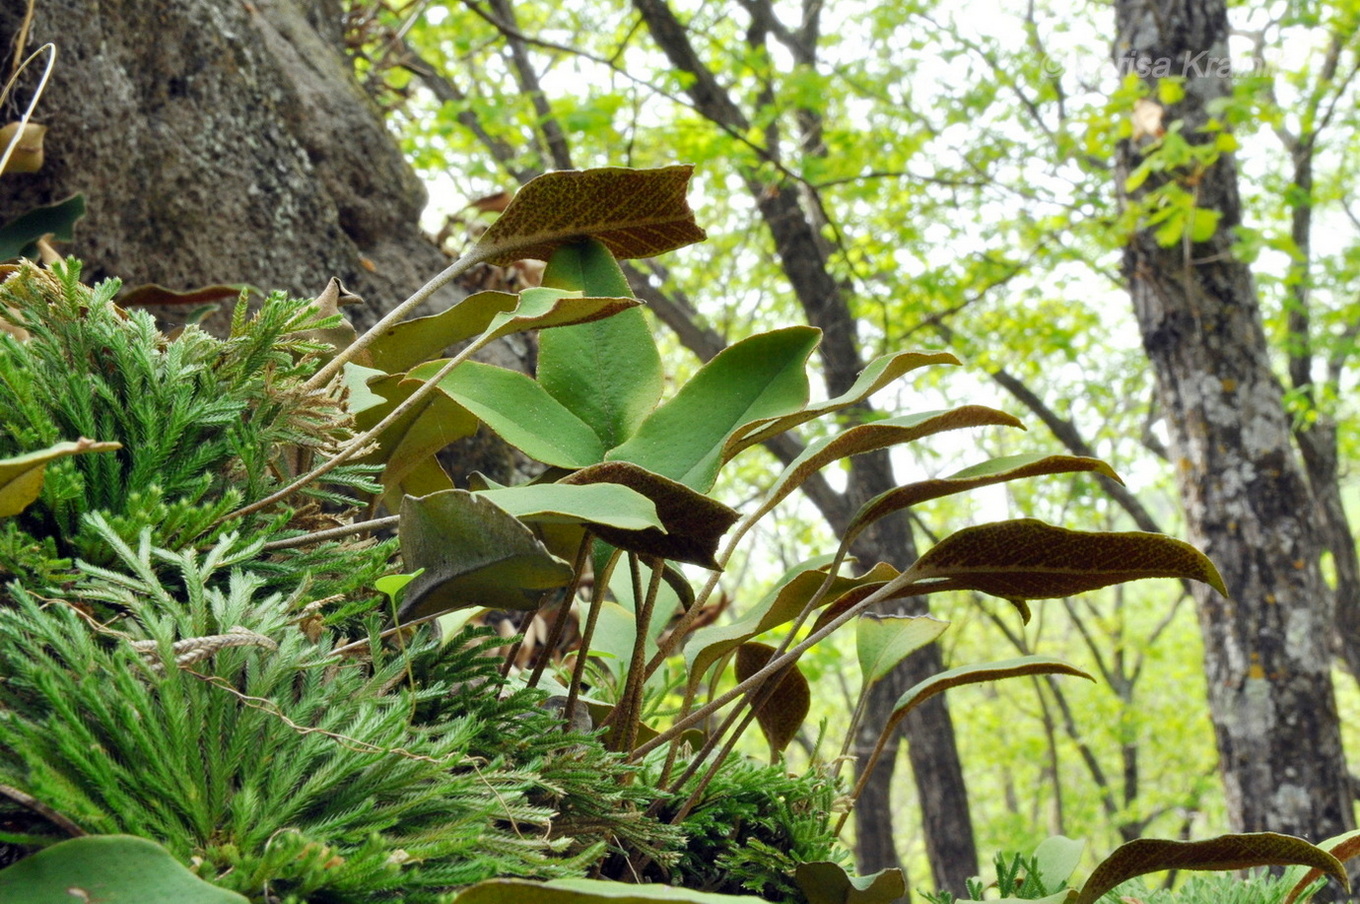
(1267, 646)
(940, 787)
(938, 773)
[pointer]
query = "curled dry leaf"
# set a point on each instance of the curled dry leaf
(28, 147)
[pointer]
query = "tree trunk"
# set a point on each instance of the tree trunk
(940, 787)
(1266, 647)
(220, 143)
(229, 143)
(799, 246)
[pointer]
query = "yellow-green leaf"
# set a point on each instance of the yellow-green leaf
(884, 641)
(21, 477)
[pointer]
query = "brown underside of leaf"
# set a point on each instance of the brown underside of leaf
(1228, 852)
(786, 705)
(1028, 559)
(635, 213)
(694, 522)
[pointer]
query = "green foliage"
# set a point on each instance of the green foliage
(1262, 888)
(114, 869)
(418, 769)
(319, 780)
(755, 825)
(204, 424)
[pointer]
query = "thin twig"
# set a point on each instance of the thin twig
(32, 803)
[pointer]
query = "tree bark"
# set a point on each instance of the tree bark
(220, 143)
(1266, 647)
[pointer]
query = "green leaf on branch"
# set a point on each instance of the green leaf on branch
(635, 213)
(110, 869)
(884, 641)
(408, 344)
(989, 473)
(784, 707)
(1203, 224)
(599, 504)
(542, 308)
(21, 477)
(1227, 852)
(520, 411)
(607, 372)
(824, 882)
(760, 377)
(1027, 559)
(880, 372)
(473, 553)
(692, 523)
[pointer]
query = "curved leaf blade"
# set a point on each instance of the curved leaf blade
(21, 477)
(759, 377)
(880, 372)
(879, 435)
(112, 869)
(785, 706)
(1343, 847)
(520, 411)
(824, 882)
(1227, 852)
(692, 524)
(883, 641)
(409, 343)
(978, 673)
(1028, 559)
(601, 504)
(542, 308)
(19, 237)
(473, 554)
(635, 213)
(988, 473)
